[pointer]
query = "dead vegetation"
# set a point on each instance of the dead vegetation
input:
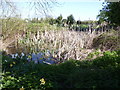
(63, 44)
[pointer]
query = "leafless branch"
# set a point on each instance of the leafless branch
(8, 7)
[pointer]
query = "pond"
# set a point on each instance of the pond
(37, 58)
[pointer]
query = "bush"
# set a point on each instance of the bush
(101, 72)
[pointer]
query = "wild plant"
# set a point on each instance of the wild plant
(63, 44)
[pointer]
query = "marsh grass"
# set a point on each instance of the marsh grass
(21, 36)
(63, 44)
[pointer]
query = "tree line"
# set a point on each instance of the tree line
(108, 18)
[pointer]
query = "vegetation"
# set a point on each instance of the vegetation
(76, 59)
(107, 41)
(70, 20)
(81, 67)
(110, 12)
(101, 72)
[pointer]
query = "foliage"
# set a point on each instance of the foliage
(87, 22)
(102, 16)
(110, 12)
(59, 20)
(83, 26)
(101, 72)
(64, 20)
(78, 22)
(70, 20)
(12, 26)
(94, 54)
(52, 21)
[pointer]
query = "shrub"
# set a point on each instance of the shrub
(101, 72)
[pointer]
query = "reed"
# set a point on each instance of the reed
(63, 44)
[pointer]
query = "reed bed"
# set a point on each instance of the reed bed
(63, 44)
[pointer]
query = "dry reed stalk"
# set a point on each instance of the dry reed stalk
(67, 44)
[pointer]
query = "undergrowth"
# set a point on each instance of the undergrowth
(101, 72)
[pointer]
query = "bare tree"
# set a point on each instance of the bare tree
(8, 7)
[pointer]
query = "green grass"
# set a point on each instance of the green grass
(33, 27)
(84, 26)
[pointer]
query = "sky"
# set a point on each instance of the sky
(80, 9)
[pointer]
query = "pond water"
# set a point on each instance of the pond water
(37, 58)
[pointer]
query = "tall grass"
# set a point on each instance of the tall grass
(20, 36)
(63, 44)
